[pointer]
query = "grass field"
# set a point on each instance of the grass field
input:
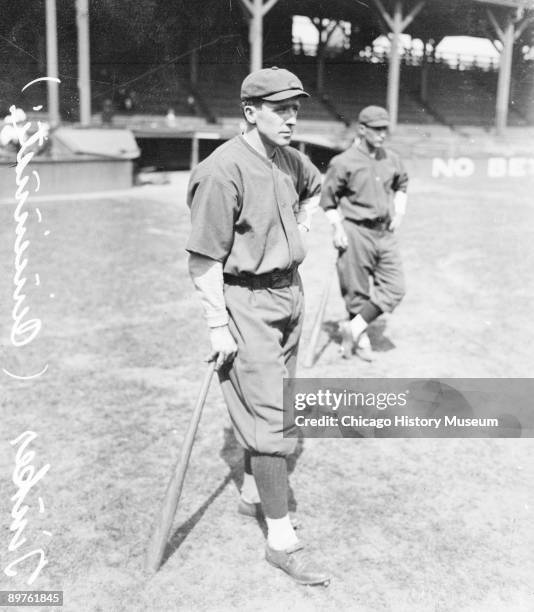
(405, 525)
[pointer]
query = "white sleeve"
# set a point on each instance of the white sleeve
(306, 210)
(333, 215)
(400, 199)
(207, 276)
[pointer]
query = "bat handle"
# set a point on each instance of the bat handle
(163, 526)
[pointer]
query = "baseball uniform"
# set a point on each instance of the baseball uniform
(361, 187)
(244, 211)
(249, 201)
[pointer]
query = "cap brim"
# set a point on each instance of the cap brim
(286, 95)
(378, 124)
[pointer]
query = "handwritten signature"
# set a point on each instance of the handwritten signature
(25, 477)
(24, 330)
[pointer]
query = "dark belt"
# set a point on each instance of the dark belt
(379, 223)
(270, 280)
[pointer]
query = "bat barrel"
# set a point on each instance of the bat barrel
(316, 330)
(163, 525)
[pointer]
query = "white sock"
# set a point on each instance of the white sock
(358, 325)
(364, 341)
(249, 491)
(281, 534)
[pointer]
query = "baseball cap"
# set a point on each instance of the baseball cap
(272, 84)
(374, 116)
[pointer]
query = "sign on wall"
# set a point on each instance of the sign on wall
(491, 167)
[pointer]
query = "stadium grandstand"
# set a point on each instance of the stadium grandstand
(173, 70)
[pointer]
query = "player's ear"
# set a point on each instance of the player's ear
(361, 129)
(250, 112)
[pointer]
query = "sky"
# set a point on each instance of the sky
(466, 46)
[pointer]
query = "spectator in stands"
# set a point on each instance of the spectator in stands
(126, 100)
(192, 104)
(107, 112)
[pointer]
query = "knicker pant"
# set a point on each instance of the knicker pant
(266, 325)
(372, 253)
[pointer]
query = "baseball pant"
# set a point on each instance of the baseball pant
(375, 253)
(266, 325)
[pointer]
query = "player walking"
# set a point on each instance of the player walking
(364, 196)
(250, 202)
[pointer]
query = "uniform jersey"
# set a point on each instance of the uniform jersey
(361, 185)
(244, 207)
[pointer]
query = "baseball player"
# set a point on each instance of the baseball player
(250, 204)
(364, 196)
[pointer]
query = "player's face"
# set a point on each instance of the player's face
(276, 121)
(373, 136)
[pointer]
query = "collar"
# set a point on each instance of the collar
(268, 160)
(360, 146)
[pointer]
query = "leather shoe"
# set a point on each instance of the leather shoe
(295, 562)
(347, 341)
(254, 510)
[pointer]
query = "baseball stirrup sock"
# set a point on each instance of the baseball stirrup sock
(246, 462)
(370, 312)
(270, 473)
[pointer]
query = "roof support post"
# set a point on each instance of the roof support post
(257, 9)
(256, 36)
(423, 84)
(84, 79)
(505, 77)
(325, 33)
(514, 27)
(52, 63)
(195, 151)
(394, 66)
(397, 24)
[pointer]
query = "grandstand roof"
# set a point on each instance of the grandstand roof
(437, 19)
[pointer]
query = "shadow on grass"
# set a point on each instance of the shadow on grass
(185, 529)
(232, 453)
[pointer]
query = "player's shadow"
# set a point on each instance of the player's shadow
(181, 533)
(333, 335)
(232, 454)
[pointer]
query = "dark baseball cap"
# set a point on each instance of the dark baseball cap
(272, 84)
(374, 116)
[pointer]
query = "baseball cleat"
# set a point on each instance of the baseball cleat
(295, 562)
(364, 350)
(254, 511)
(347, 341)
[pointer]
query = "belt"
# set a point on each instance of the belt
(278, 279)
(379, 223)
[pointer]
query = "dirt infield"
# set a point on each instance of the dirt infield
(405, 525)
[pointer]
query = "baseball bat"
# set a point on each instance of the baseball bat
(316, 331)
(163, 524)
